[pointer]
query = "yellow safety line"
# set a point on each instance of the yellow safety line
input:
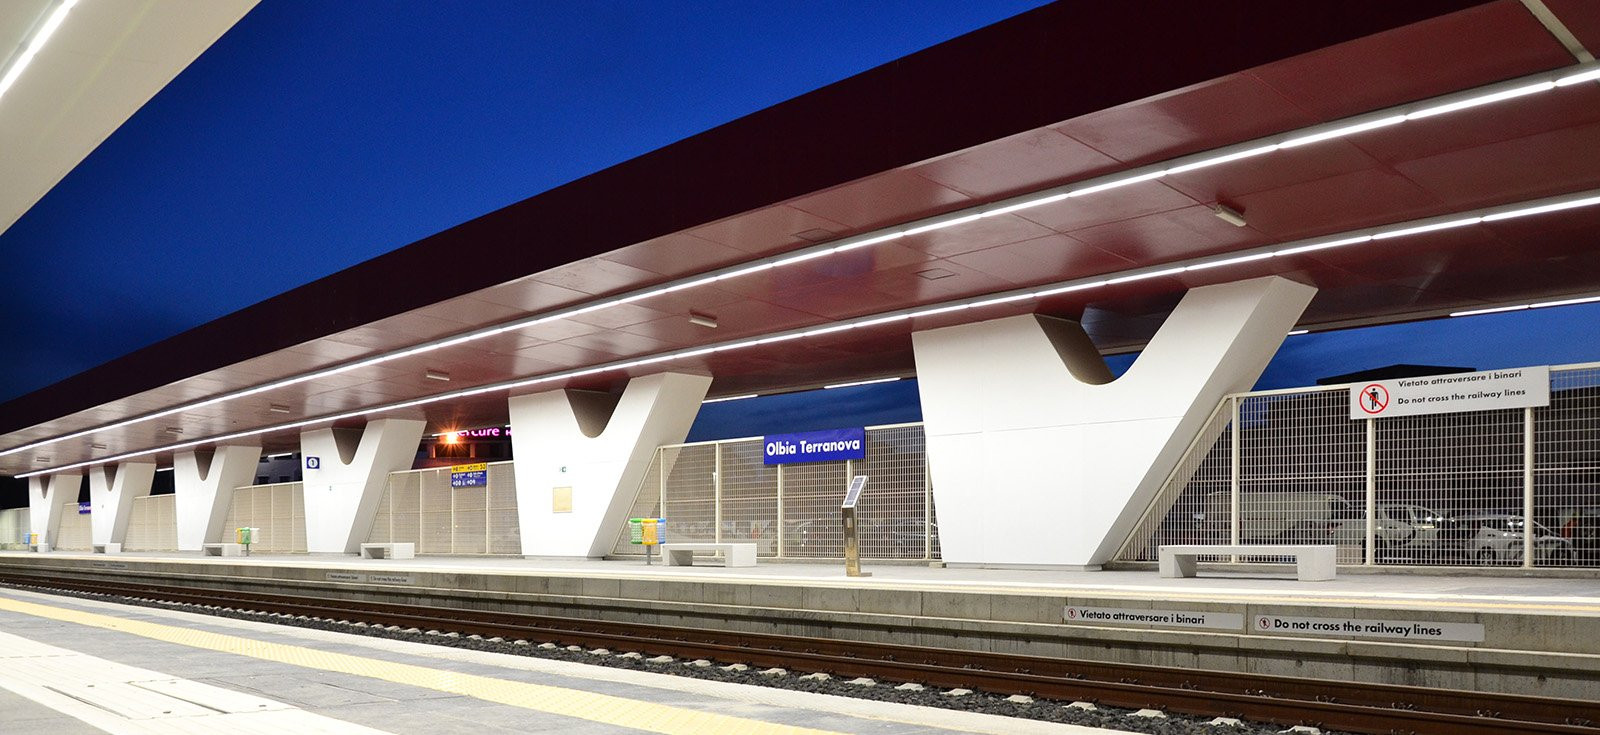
(611, 710)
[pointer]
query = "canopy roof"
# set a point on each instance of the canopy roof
(889, 184)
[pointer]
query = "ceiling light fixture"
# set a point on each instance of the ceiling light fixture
(703, 320)
(31, 49)
(1297, 332)
(438, 375)
(1229, 215)
(278, 408)
(1382, 118)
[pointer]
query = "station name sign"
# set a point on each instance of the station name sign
(1527, 387)
(814, 446)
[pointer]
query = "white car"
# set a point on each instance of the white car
(1498, 540)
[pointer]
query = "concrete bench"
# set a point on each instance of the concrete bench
(108, 548)
(223, 549)
(41, 547)
(406, 550)
(733, 555)
(1313, 563)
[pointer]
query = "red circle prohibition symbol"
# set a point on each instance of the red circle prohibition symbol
(1374, 398)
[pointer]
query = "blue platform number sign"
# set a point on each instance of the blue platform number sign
(469, 475)
(313, 463)
(815, 446)
(83, 509)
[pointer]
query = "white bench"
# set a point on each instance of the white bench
(406, 550)
(1313, 563)
(733, 555)
(223, 549)
(39, 547)
(108, 548)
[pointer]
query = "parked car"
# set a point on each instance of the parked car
(1399, 529)
(1498, 539)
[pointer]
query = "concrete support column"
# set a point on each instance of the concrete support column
(1039, 458)
(204, 483)
(112, 489)
(580, 458)
(345, 472)
(46, 494)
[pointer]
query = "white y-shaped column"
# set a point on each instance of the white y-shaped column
(204, 483)
(1039, 458)
(580, 458)
(112, 489)
(46, 494)
(345, 471)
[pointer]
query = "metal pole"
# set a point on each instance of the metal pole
(716, 493)
(780, 512)
(1372, 492)
(1234, 469)
(1527, 488)
(661, 479)
(927, 511)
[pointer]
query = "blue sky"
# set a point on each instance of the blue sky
(316, 135)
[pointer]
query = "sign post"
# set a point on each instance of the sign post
(647, 532)
(852, 546)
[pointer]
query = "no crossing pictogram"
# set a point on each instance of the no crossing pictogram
(1374, 398)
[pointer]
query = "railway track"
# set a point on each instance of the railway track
(1348, 706)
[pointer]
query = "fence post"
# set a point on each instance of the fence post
(661, 481)
(779, 553)
(1527, 488)
(927, 509)
(1235, 445)
(1372, 493)
(716, 493)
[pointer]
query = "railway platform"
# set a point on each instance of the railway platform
(1533, 635)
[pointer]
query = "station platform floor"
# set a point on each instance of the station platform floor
(1470, 590)
(72, 666)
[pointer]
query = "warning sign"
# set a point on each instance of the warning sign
(1153, 618)
(1418, 630)
(1482, 391)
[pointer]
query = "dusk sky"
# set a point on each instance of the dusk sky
(316, 135)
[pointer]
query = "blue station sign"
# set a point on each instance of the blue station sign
(815, 446)
(469, 475)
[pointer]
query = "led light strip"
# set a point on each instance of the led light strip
(1393, 231)
(1525, 307)
(46, 30)
(1468, 99)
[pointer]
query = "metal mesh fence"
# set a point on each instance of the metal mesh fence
(153, 524)
(1507, 487)
(1196, 505)
(74, 533)
(14, 528)
(420, 507)
(722, 491)
(278, 510)
(1566, 476)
